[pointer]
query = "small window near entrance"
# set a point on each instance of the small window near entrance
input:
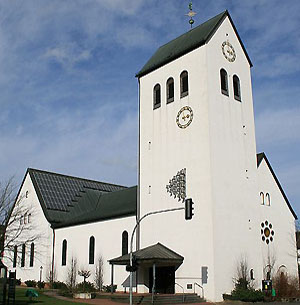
(15, 256)
(252, 274)
(184, 84)
(23, 256)
(189, 286)
(124, 242)
(31, 255)
(64, 253)
(170, 90)
(92, 250)
(156, 96)
(268, 199)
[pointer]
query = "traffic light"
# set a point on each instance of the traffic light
(189, 209)
(134, 266)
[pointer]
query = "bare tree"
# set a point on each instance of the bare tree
(16, 221)
(242, 276)
(269, 263)
(72, 274)
(98, 279)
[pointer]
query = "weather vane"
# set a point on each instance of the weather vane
(191, 14)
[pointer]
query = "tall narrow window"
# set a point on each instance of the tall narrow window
(251, 274)
(170, 90)
(236, 88)
(268, 199)
(92, 250)
(23, 256)
(29, 217)
(124, 242)
(25, 218)
(156, 96)
(64, 253)
(224, 82)
(184, 84)
(21, 220)
(31, 255)
(15, 256)
(262, 198)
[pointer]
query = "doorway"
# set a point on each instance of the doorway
(165, 280)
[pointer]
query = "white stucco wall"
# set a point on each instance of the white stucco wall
(233, 163)
(37, 231)
(108, 244)
(283, 247)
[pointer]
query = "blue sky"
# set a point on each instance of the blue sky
(69, 95)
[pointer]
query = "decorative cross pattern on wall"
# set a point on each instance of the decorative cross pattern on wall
(267, 234)
(177, 185)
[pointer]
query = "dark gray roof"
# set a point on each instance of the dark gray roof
(187, 42)
(262, 156)
(157, 252)
(68, 200)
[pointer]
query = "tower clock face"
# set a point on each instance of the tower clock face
(184, 117)
(228, 51)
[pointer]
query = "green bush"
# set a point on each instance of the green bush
(85, 287)
(247, 295)
(59, 285)
(18, 282)
(107, 288)
(30, 283)
(41, 284)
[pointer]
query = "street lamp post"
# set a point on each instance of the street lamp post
(131, 242)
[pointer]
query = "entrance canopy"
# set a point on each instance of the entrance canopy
(157, 254)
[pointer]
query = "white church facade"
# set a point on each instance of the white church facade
(196, 140)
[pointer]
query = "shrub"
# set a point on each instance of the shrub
(18, 282)
(107, 288)
(59, 285)
(286, 286)
(85, 287)
(247, 295)
(40, 284)
(30, 283)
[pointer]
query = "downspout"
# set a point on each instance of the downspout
(52, 265)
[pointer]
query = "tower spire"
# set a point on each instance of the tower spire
(191, 14)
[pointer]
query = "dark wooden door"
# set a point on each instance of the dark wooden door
(165, 280)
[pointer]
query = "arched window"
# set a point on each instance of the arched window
(184, 84)
(15, 256)
(156, 96)
(262, 198)
(25, 218)
(268, 199)
(124, 242)
(29, 217)
(64, 253)
(224, 82)
(26, 194)
(23, 256)
(170, 90)
(236, 88)
(92, 250)
(21, 220)
(251, 274)
(31, 255)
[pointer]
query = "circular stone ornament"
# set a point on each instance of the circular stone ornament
(228, 51)
(184, 117)
(267, 234)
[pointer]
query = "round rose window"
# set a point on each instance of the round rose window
(267, 234)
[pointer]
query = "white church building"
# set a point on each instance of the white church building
(196, 140)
